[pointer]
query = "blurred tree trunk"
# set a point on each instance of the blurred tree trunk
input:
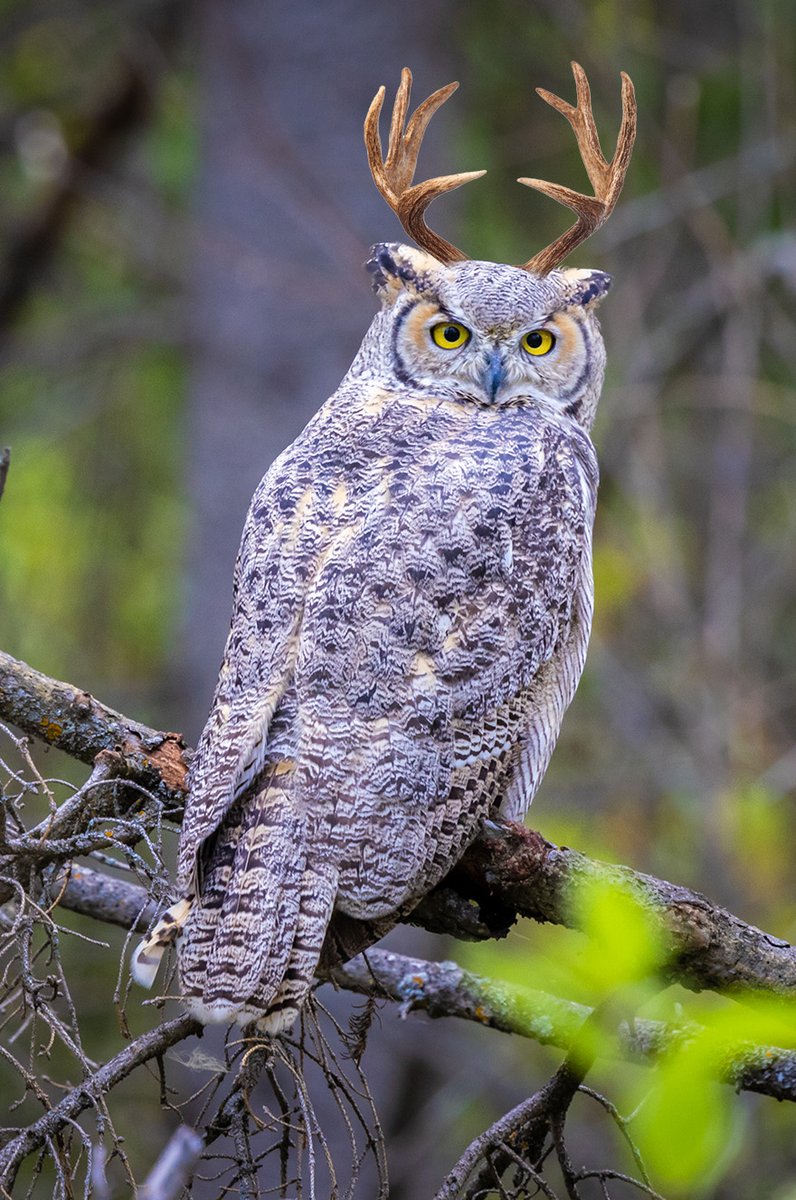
(285, 212)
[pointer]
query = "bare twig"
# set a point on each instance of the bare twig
(5, 462)
(174, 1167)
(86, 1095)
(524, 1129)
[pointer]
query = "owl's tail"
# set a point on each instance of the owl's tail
(251, 942)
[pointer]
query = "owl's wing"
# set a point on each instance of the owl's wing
(258, 658)
(404, 604)
(437, 635)
(528, 630)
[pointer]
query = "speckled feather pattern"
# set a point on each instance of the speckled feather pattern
(412, 603)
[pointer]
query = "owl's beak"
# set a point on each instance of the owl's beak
(494, 375)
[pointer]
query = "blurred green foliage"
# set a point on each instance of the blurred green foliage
(92, 526)
(686, 1124)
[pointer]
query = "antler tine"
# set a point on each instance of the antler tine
(399, 111)
(606, 178)
(394, 174)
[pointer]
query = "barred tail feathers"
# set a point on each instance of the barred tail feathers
(276, 1011)
(236, 951)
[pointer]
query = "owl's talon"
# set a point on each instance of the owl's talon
(495, 827)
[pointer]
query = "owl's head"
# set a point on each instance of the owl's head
(490, 333)
(481, 331)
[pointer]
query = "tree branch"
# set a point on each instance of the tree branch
(522, 872)
(519, 1135)
(509, 871)
(5, 463)
(146, 1047)
(119, 113)
(447, 990)
(441, 989)
(73, 721)
(103, 897)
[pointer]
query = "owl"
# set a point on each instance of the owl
(412, 599)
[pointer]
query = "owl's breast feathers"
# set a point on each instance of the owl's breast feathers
(412, 605)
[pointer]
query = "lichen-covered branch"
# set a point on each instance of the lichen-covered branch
(517, 869)
(509, 871)
(445, 989)
(73, 721)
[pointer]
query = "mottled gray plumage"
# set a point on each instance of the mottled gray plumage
(412, 604)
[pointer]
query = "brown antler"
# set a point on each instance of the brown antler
(606, 178)
(393, 176)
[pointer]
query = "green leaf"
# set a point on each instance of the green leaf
(625, 941)
(688, 1127)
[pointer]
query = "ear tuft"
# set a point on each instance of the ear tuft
(393, 268)
(588, 287)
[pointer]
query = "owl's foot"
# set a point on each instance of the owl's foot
(274, 1023)
(223, 1012)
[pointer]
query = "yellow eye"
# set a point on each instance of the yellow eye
(538, 341)
(449, 335)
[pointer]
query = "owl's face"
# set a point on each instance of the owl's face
(489, 333)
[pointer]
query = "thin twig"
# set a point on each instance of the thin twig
(86, 1095)
(5, 463)
(175, 1166)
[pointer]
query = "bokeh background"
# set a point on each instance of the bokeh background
(185, 208)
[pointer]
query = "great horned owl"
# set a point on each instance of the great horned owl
(412, 600)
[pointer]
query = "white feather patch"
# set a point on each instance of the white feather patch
(148, 953)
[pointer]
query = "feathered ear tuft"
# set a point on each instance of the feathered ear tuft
(394, 268)
(588, 287)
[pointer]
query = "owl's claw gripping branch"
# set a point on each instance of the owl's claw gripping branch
(607, 178)
(393, 175)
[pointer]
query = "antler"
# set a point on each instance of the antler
(393, 176)
(606, 178)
